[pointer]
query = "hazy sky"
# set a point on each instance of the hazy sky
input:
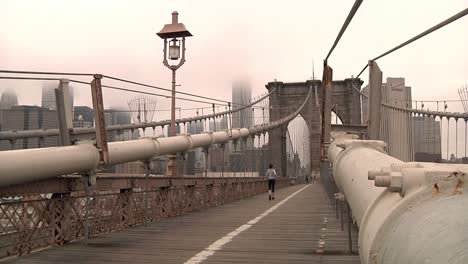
(258, 40)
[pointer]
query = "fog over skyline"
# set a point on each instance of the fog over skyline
(253, 40)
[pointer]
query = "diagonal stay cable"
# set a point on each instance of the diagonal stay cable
(351, 14)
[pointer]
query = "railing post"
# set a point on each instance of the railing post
(244, 166)
(350, 239)
(234, 143)
(89, 179)
(125, 199)
(64, 112)
(146, 164)
(206, 151)
(223, 148)
(98, 105)
(59, 208)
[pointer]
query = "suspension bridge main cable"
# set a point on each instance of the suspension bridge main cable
(427, 32)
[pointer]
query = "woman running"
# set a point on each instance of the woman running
(271, 174)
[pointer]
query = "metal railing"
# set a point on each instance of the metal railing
(58, 211)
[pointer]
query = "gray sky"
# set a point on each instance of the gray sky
(258, 40)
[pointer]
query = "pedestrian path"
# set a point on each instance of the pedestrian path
(254, 230)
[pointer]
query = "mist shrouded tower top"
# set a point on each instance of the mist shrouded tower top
(8, 99)
(241, 96)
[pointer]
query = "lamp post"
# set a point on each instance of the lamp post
(175, 33)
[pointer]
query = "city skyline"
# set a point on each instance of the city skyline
(257, 35)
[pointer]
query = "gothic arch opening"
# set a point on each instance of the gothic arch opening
(298, 148)
(336, 119)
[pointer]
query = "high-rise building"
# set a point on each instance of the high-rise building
(87, 116)
(427, 145)
(198, 159)
(116, 117)
(8, 99)
(394, 92)
(241, 96)
(25, 117)
(48, 97)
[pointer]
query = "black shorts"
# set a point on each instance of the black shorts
(271, 184)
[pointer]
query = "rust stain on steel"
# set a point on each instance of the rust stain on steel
(458, 187)
(452, 184)
(460, 181)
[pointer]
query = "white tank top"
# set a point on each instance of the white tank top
(271, 174)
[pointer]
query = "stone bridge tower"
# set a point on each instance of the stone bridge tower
(288, 96)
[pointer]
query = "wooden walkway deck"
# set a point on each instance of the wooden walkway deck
(253, 230)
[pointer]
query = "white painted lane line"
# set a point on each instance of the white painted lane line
(218, 244)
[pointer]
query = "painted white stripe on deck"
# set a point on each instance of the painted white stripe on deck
(218, 244)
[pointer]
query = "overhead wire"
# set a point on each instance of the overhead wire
(160, 95)
(29, 78)
(105, 76)
(47, 73)
(163, 89)
(427, 32)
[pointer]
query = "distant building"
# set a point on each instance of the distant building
(87, 116)
(197, 128)
(118, 117)
(241, 96)
(8, 99)
(25, 117)
(48, 97)
(395, 93)
(427, 145)
(216, 159)
(224, 123)
(190, 163)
